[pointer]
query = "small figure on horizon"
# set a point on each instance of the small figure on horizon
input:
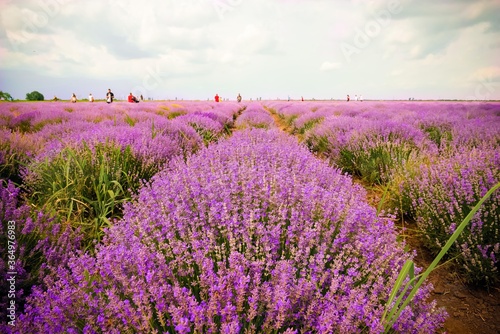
(142, 98)
(216, 97)
(91, 98)
(109, 96)
(238, 98)
(348, 98)
(73, 98)
(355, 97)
(132, 98)
(302, 98)
(360, 98)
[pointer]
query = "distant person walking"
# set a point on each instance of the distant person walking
(109, 96)
(360, 98)
(238, 98)
(216, 98)
(142, 98)
(91, 98)
(73, 98)
(348, 98)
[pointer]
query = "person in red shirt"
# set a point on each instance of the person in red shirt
(132, 98)
(216, 97)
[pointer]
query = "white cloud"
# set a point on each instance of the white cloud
(486, 73)
(272, 45)
(329, 66)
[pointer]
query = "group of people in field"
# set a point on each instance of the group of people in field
(356, 98)
(217, 98)
(131, 98)
(109, 98)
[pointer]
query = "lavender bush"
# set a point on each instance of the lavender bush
(208, 127)
(443, 193)
(250, 235)
(255, 116)
(37, 243)
(87, 176)
(370, 149)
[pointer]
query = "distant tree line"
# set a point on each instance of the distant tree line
(34, 96)
(5, 96)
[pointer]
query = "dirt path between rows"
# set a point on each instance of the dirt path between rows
(470, 310)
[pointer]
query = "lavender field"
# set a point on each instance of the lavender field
(204, 217)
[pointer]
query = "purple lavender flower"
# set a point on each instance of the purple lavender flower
(249, 234)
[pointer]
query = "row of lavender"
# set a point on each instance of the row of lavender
(252, 234)
(77, 164)
(435, 159)
(248, 235)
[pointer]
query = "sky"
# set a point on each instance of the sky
(272, 49)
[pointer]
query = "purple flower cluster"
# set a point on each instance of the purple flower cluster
(35, 131)
(39, 244)
(456, 146)
(255, 116)
(372, 149)
(208, 125)
(442, 196)
(249, 235)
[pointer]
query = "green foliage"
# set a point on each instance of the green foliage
(441, 195)
(374, 164)
(174, 114)
(439, 135)
(289, 121)
(318, 144)
(207, 135)
(309, 125)
(396, 306)
(10, 163)
(6, 96)
(13, 156)
(34, 96)
(87, 186)
(129, 120)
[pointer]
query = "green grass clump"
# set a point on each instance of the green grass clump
(375, 163)
(406, 293)
(87, 186)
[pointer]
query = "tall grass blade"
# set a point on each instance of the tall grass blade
(396, 311)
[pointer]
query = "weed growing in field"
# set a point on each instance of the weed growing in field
(407, 284)
(443, 193)
(87, 185)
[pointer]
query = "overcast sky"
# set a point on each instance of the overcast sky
(193, 49)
